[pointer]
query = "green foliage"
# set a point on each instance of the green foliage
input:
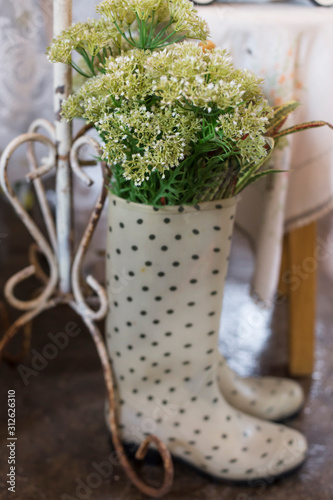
(280, 116)
(300, 127)
(212, 171)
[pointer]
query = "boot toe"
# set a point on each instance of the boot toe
(268, 398)
(282, 398)
(289, 455)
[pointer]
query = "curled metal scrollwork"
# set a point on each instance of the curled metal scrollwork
(88, 233)
(31, 226)
(50, 296)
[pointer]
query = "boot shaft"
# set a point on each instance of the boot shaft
(166, 269)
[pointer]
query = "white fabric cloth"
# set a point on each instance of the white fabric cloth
(291, 47)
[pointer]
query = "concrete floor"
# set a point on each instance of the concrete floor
(59, 415)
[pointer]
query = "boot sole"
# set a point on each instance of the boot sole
(153, 458)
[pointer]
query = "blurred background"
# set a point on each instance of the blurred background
(60, 411)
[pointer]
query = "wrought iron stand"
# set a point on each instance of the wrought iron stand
(63, 284)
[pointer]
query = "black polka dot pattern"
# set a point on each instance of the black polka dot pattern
(164, 319)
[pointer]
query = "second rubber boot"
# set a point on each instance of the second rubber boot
(269, 398)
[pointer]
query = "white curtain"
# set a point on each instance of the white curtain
(25, 74)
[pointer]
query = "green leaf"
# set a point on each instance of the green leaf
(257, 176)
(243, 181)
(79, 70)
(300, 127)
(281, 113)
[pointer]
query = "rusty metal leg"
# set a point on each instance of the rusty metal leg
(141, 452)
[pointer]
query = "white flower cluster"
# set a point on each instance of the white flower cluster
(246, 127)
(203, 79)
(181, 12)
(92, 36)
(150, 108)
(143, 141)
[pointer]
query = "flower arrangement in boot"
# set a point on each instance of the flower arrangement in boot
(179, 124)
(183, 132)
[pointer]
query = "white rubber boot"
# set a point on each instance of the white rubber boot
(166, 270)
(269, 398)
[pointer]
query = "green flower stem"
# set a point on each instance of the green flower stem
(79, 70)
(101, 60)
(162, 46)
(163, 31)
(124, 36)
(131, 37)
(246, 178)
(141, 38)
(152, 29)
(89, 61)
(162, 42)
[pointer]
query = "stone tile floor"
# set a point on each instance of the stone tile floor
(61, 432)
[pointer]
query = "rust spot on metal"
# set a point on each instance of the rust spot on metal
(23, 321)
(63, 157)
(26, 343)
(60, 89)
(83, 130)
(58, 116)
(34, 251)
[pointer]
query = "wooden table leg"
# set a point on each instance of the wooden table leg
(283, 287)
(298, 280)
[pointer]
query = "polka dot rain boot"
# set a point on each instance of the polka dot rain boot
(269, 398)
(166, 269)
